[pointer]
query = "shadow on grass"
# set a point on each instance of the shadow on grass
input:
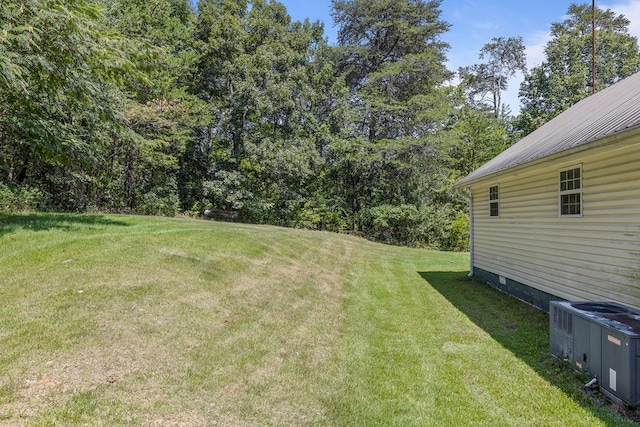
(10, 222)
(524, 331)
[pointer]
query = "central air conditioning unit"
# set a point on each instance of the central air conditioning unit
(603, 339)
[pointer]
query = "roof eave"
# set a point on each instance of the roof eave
(619, 136)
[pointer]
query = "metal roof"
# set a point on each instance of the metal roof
(609, 111)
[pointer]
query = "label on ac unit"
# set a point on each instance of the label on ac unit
(614, 340)
(612, 379)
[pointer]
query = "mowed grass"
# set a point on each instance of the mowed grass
(120, 320)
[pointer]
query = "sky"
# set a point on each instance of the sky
(475, 22)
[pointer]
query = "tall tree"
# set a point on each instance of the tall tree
(475, 137)
(163, 30)
(504, 58)
(392, 59)
(566, 76)
(162, 115)
(258, 74)
(60, 97)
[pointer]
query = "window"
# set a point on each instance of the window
(494, 201)
(571, 192)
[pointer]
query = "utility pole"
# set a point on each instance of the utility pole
(593, 46)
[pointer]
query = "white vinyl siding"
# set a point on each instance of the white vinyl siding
(595, 257)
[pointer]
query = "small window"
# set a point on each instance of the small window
(571, 192)
(494, 201)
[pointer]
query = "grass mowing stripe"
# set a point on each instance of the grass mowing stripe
(122, 320)
(417, 359)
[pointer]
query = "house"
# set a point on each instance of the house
(557, 215)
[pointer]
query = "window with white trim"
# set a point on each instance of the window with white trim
(494, 201)
(571, 191)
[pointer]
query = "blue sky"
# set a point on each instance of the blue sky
(475, 22)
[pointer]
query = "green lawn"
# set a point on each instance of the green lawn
(121, 320)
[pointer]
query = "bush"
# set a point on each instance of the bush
(425, 226)
(319, 216)
(153, 204)
(161, 200)
(23, 198)
(458, 238)
(407, 225)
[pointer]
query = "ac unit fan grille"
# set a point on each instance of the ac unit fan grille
(562, 320)
(562, 333)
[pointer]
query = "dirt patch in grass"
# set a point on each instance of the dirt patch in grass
(124, 360)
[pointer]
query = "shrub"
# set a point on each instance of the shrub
(318, 215)
(161, 200)
(23, 198)
(407, 225)
(154, 204)
(458, 238)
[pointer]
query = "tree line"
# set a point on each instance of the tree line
(232, 109)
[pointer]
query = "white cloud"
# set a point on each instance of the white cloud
(631, 10)
(535, 44)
